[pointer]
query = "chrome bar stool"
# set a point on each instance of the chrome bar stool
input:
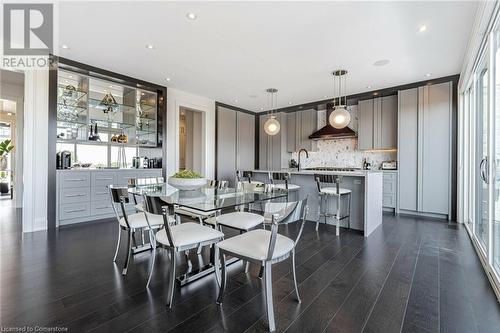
(245, 176)
(281, 180)
(334, 191)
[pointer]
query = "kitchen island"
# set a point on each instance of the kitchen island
(366, 196)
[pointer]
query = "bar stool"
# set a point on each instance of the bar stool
(281, 180)
(243, 178)
(328, 193)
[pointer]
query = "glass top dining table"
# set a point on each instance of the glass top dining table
(208, 199)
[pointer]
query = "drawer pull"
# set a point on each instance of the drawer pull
(104, 178)
(101, 193)
(75, 195)
(106, 207)
(76, 179)
(76, 210)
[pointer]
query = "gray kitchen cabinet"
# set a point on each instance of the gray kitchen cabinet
(435, 147)
(235, 143)
(407, 149)
(245, 148)
(388, 128)
(270, 145)
(226, 144)
(299, 125)
(425, 149)
(389, 189)
(377, 123)
(365, 124)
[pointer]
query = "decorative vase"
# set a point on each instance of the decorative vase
(3, 162)
(4, 188)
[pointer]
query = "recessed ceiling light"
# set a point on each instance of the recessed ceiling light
(150, 46)
(9, 114)
(290, 103)
(381, 62)
(428, 75)
(71, 76)
(191, 16)
(261, 109)
(325, 96)
(110, 86)
(236, 101)
(64, 46)
(168, 79)
(368, 87)
(422, 28)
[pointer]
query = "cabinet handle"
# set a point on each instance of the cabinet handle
(76, 210)
(106, 207)
(104, 178)
(98, 193)
(75, 179)
(75, 195)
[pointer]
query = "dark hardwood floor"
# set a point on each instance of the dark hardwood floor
(410, 275)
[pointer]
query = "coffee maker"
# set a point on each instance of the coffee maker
(63, 160)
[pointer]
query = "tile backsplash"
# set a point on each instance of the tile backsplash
(343, 153)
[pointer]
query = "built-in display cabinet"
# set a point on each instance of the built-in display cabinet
(92, 110)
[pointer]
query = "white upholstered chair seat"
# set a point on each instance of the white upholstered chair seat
(291, 187)
(140, 206)
(138, 220)
(237, 220)
(333, 190)
(255, 244)
(187, 234)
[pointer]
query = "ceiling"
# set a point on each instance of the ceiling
(233, 51)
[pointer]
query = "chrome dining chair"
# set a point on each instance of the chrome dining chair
(175, 237)
(129, 223)
(133, 182)
(265, 248)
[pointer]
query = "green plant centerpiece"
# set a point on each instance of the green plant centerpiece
(187, 180)
(5, 148)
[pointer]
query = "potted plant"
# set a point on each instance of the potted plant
(4, 184)
(5, 149)
(187, 180)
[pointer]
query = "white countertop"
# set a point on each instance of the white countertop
(357, 173)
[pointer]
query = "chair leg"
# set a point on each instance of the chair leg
(223, 280)
(268, 291)
(247, 266)
(261, 272)
(198, 251)
(295, 277)
(216, 261)
(118, 243)
(188, 261)
(337, 232)
(127, 255)
(152, 240)
(171, 286)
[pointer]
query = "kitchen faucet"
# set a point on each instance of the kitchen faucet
(298, 156)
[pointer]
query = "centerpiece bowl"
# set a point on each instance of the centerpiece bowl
(187, 180)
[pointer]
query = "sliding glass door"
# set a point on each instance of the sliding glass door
(482, 161)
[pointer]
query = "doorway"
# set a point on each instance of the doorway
(11, 135)
(190, 140)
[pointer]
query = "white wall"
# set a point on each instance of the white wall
(175, 100)
(35, 149)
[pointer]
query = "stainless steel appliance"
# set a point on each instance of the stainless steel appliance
(389, 165)
(63, 160)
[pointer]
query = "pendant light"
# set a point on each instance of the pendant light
(340, 117)
(272, 125)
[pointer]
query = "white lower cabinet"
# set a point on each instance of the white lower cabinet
(389, 192)
(82, 195)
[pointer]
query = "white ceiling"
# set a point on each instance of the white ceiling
(235, 50)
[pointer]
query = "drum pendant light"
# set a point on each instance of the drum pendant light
(340, 117)
(272, 125)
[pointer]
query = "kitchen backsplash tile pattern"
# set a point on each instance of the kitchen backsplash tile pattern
(343, 153)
